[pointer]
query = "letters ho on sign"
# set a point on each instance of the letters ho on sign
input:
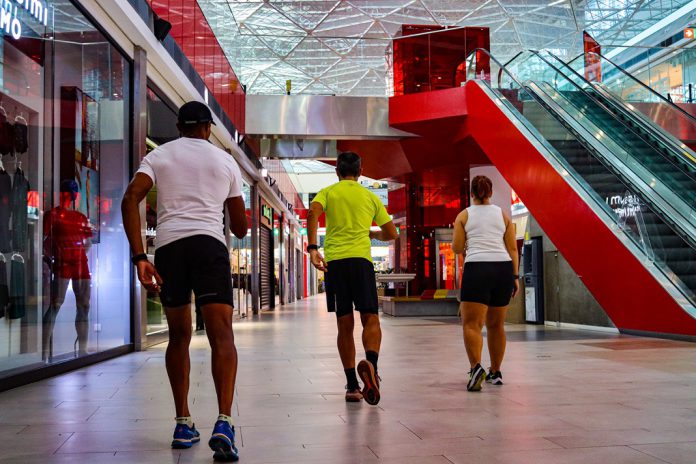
(12, 12)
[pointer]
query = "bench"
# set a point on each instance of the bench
(430, 303)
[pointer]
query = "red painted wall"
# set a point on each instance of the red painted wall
(196, 39)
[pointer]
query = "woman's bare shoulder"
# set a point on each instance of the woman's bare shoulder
(462, 217)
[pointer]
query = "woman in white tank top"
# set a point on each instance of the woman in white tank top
(486, 237)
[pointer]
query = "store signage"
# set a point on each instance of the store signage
(266, 214)
(10, 10)
(689, 33)
(625, 206)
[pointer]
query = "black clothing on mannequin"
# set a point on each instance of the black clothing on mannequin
(5, 211)
(20, 188)
(4, 290)
(21, 135)
(18, 303)
(6, 133)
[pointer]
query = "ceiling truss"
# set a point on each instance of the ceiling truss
(338, 47)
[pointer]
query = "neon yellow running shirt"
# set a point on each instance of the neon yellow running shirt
(350, 211)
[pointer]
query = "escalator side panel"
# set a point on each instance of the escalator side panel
(628, 292)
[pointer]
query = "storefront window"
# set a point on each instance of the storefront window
(240, 260)
(64, 165)
(161, 128)
(277, 258)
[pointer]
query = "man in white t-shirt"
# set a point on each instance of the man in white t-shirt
(195, 182)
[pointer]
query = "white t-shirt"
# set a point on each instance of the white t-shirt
(485, 231)
(193, 178)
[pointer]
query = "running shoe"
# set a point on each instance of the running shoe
(367, 373)
(494, 378)
(476, 377)
(222, 442)
(353, 395)
(185, 436)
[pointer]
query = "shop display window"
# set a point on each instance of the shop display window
(64, 165)
(448, 266)
(161, 128)
(240, 260)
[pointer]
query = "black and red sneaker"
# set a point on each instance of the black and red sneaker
(370, 380)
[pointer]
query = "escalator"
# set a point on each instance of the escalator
(629, 186)
(664, 156)
(610, 79)
(669, 168)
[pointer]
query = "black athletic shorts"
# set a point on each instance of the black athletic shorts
(200, 263)
(351, 283)
(489, 283)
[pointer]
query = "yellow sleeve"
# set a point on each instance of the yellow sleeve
(321, 198)
(381, 216)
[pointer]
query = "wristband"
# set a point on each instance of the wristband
(137, 258)
(516, 276)
(312, 247)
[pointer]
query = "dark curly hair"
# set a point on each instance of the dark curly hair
(481, 188)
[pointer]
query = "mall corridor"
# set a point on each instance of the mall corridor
(570, 396)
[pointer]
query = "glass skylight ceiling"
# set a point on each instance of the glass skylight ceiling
(338, 47)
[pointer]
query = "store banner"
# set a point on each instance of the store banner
(266, 214)
(593, 64)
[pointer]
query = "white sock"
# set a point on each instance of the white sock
(228, 419)
(185, 421)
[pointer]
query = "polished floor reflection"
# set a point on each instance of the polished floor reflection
(570, 396)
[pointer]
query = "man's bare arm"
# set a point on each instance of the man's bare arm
(135, 193)
(238, 218)
(315, 212)
(386, 233)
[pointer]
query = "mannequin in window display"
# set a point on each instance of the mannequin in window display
(67, 238)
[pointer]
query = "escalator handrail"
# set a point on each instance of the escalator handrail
(669, 142)
(562, 74)
(588, 190)
(664, 204)
(501, 67)
(684, 224)
(674, 144)
(685, 229)
(507, 63)
(637, 81)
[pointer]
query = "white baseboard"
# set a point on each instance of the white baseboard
(593, 328)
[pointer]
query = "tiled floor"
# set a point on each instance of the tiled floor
(570, 397)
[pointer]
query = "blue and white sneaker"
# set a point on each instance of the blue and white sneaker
(222, 442)
(185, 436)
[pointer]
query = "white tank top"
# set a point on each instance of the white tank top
(485, 229)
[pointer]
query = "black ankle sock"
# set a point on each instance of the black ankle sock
(372, 356)
(352, 379)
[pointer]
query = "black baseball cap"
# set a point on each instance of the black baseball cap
(195, 112)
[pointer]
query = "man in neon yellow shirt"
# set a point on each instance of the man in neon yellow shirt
(349, 273)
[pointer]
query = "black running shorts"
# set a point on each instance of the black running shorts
(199, 263)
(350, 283)
(488, 283)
